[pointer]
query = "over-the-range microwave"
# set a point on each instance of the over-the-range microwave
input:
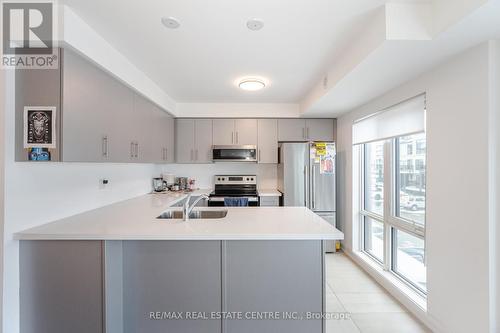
(234, 153)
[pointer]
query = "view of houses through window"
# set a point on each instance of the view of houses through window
(402, 212)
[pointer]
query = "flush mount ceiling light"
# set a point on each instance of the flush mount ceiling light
(251, 84)
(255, 24)
(170, 22)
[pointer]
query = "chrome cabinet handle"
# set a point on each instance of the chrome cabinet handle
(105, 146)
(307, 132)
(166, 154)
(259, 155)
(191, 154)
(237, 140)
(196, 154)
(137, 150)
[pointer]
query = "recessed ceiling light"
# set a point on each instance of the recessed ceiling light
(251, 84)
(170, 22)
(255, 24)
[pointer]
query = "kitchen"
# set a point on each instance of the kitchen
(266, 170)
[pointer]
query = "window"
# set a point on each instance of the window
(393, 189)
(374, 238)
(409, 258)
(374, 177)
(410, 202)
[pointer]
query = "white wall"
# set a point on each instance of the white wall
(457, 227)
(40, 193)
(2, 128)
(495, 170)
(203, 173)
(235, 110)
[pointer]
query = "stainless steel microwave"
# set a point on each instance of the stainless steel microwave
(234, 153)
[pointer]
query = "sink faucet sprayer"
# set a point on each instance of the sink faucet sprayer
(186, 209)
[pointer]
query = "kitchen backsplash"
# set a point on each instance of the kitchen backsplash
(203, 173)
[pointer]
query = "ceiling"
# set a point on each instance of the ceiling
(200, 61)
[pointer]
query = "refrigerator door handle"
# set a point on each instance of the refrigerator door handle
(313, 182)
(306, 186)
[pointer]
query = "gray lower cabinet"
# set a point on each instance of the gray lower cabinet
(170, 276)
(153, 286)
(61, 286)
(273, 276)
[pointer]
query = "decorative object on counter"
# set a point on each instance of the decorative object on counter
(39, 127)
(169, 178)
(183, 183)
(191, 184)
(159, 185)
(39, 154)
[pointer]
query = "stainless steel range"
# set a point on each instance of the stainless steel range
(231, 187)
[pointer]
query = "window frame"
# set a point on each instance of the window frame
(390, 221)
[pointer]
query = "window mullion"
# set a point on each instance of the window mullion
(388, 207)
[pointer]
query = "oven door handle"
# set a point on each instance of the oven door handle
(221, 199)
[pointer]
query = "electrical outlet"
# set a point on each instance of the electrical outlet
(103, 183)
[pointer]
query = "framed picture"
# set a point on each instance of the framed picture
(39, 127)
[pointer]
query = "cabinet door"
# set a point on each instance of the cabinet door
(85, 121)
(159, 135)
(291, 130)
(175, 276)
(203, 141)
(223, 132)
(184, 140)
(245, 131)
(170, 137)
(143, 128)
(268, 140)
(119, 101)
(319, 129)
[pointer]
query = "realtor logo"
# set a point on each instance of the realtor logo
(28, 30)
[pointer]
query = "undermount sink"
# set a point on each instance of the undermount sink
(196, 214)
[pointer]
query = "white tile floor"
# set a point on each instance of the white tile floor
(370, 307)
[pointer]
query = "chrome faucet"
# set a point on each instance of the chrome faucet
(186, 209)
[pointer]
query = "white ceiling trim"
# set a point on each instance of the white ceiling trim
(238, 110)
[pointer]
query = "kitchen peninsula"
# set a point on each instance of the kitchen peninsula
(122, 269)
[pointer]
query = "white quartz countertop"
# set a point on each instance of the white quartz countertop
(135, 219)
(269, 193)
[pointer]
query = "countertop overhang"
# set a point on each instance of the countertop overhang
(136, 219)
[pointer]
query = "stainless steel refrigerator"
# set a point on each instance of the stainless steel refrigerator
(306, 177)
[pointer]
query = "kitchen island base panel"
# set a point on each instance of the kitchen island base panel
(61, 287)
(116, 285)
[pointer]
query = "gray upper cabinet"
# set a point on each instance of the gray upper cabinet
(170, 148)
(305, 129)
(319, 129)
(245, 131)
(89, 122)
(203, 140)
(184, 140)
(223, 132)
(163, 140)
(193, 141)
(291, 130)
(268, 140)
(106, 121)
(234, 132)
